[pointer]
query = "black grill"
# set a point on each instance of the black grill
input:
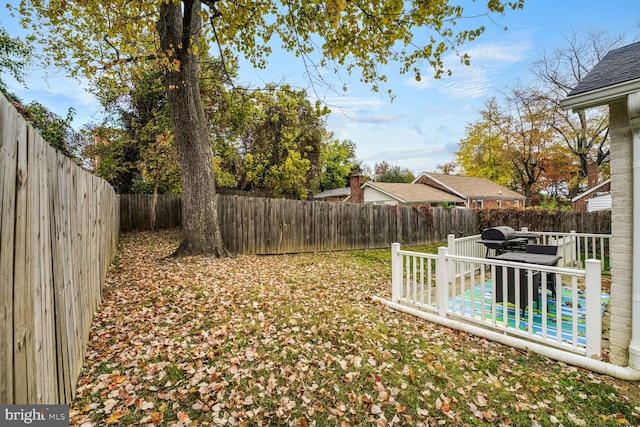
(502, 238)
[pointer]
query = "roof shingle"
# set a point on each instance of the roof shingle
(618, 66)
(474, 187)
(414, 193)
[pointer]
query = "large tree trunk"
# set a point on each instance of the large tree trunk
(201, 228)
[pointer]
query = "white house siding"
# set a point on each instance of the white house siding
(622, 231)
(599, 203)
(371, 195)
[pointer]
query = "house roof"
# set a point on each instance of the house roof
(470, 187)
(336, 192)
(413, 193)
(591, 190)
(616, 75)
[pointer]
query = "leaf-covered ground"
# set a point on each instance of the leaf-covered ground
(297, 340)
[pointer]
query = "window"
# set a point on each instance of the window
(479, 204)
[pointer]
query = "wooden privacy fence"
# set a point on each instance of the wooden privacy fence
(58, 233)
(135, 211)
(270, 226)
(252, 225)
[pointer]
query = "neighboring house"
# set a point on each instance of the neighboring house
(477, 193)
(596, 198)
(405, 195)
(336, 195)
(615, 81)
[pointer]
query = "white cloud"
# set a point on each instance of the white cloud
(55, 86)
(352, 103)
(425, 83)
(416, 158)
(58, 93)
(465, 82)
(503, 54)
(470, 89)
(378, 119)
(475, 80)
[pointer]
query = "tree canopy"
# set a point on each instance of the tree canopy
(281, 143)
(97, 38)
(337, 163)
(482, 151)
(511, 142)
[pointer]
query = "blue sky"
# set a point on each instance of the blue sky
(421, 128)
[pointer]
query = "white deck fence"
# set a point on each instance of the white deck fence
(458, 284)
(575, 248)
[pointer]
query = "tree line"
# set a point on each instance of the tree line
(525, 141)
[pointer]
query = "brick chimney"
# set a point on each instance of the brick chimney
(592, 174)
(355, 182)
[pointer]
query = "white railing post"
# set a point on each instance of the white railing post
(593, 318)
(451, 244)
(451, 250)
(573, 250)
(396, 272)
(442, 283)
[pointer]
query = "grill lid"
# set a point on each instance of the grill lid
(501, 233)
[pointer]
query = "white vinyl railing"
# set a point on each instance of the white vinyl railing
(574, 247)
(573, 323)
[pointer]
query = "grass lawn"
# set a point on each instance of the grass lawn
(296, 340)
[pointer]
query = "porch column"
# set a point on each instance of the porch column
(621, 246)
(633, 108)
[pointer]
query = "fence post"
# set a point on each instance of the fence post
(593, 319)
(451, 250)
(442, 282)
(396, 272)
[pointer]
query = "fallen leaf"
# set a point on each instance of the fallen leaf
(144, 405)
(480, 400)
(114, 418)
(109, 404)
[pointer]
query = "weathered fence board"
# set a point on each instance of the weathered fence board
(8, 162)
(58, 232)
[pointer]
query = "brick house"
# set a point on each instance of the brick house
(477, 193)
(399, 194)
(595, 198)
